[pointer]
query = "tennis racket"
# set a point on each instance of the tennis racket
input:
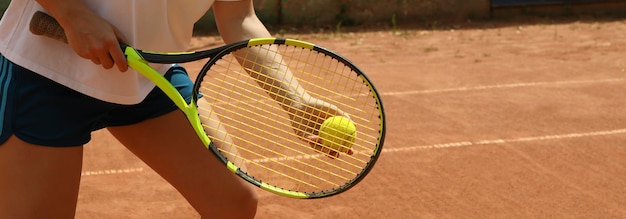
(258, 106)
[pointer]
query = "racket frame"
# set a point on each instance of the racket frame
(139, 64)
(304, 45)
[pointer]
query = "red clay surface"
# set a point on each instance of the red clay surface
(501, 120)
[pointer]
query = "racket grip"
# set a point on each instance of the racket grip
(43, 24)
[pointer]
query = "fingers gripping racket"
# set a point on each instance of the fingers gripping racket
(288, 116)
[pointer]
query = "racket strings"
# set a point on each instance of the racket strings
(332, 96)
(243, 107)
(282, 172)
(246, 106)
(276, 154)
(313, 119)
(278, 157)
(329, 70)
(338, 72)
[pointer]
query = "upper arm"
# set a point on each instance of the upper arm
(237, 20)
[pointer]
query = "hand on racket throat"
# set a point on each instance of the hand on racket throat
(89, 35)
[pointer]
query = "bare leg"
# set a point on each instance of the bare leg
(37, 181)
(220, 137)
(169, 145)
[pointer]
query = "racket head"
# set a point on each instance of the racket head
(255, 136)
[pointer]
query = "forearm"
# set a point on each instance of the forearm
(237, 21)
(235, 25)
(274, 76)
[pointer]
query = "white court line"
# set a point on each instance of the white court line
(500, 86)
(111, 171)
(506, 141)
(414, 148)
(471, 143)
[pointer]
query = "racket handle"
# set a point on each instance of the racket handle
(43, 24)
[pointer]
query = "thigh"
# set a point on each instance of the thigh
(38, 181)
(169, 145)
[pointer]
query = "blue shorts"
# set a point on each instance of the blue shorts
(43, 112)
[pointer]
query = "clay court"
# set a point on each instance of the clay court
(485, 120)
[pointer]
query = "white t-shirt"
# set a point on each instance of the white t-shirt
(155, 25)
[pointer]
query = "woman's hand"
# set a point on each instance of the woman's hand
(89, 35)
(306, 118)
(95, 39)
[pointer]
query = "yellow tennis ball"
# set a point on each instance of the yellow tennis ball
(338, 133)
